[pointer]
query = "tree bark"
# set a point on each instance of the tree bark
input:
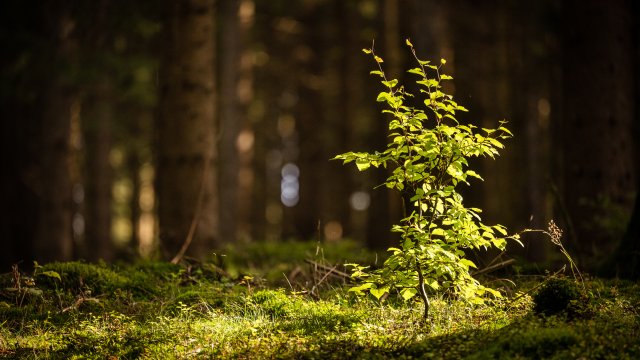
(99, 175)
(381, 213)
(625, 261)
(54, 236)
(245, 142)
(482, 79)
(187, 189)
(230, 122)
(598, 117)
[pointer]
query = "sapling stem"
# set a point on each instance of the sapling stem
(423, 291)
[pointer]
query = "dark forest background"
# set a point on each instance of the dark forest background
(130, 127)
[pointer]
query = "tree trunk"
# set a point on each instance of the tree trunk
(625, 261)
(532, 53)
(99, 175)
(381, 215)
(230, 122)
(187, 190)
(482, 66)
(245, 142)
(598, 117)
(352, 121)
(54, 236)
(309, 116)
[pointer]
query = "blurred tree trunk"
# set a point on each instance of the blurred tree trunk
(431, 31)
(532, 56)
(351, 120)
(21, 114)
(334, 183)
(97, 119)
(625, 261)
(310, 121)
(245, 143)
(381, 213)
(187, 189)
(230, 121)
(54, 235)
(482, 85)
(99, 175)
(598, 116)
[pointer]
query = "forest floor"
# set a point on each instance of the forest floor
(290, 301)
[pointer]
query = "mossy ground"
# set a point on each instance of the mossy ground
(154, 310)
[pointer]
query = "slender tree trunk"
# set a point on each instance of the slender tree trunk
(98, 243)
(625, 261)
(350, 113)
(482, 83)
(187, 188)
(381, 215)
(245, 143)
(333, 184)
(431, 32)
(54, 236)
(532, 53)
(598, 117)
(230, 122)
(309, 120)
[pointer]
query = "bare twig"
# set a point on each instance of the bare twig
(330, 270)
(494, 267)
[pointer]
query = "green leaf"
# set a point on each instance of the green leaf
(468, 263)
(437, 232)
(390, 83)
(408, 293)
(379, 292)
(416, 71)
(360, 288)
(493, 292)
(434, 285)
(363, 164)
(496, 143)
(501, 229)
(474, 174)
(383, 96)
(408, 43)
(34, 292)
(51, 274)
(366, 51)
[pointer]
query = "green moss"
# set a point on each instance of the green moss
(274, 260)
(275, 303)
(79, 276)
(190, 315)
(556, 296)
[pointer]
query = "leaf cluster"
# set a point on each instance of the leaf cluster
(427, 157)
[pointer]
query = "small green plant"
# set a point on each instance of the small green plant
(556, 296)
(428, 157)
